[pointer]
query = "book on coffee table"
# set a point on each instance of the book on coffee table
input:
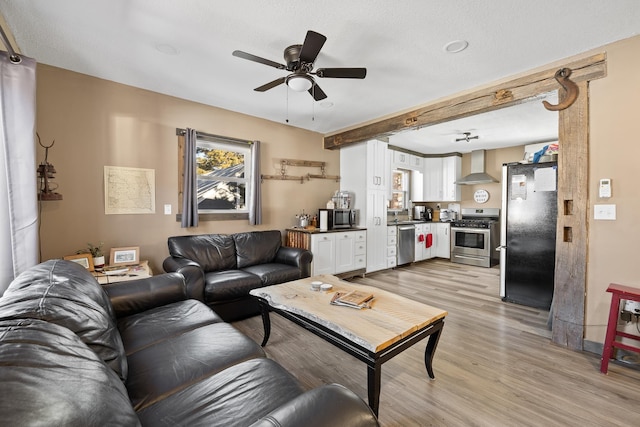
(353, 299)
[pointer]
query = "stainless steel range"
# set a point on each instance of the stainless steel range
(475, 237)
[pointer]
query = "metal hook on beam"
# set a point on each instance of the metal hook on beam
(571, 91)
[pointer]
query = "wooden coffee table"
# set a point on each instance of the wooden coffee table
(373, 335)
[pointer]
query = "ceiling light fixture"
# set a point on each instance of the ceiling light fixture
(299, 83)
(456, 46)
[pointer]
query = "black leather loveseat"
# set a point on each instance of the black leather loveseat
(225, 267)
(140, 353)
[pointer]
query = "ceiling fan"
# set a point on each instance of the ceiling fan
(467, 137)
(299, 59)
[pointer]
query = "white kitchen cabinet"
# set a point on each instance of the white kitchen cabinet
(392, 246)
(378, 173)
(443, 240)
(376, 230)
(323, 248)
(365, 169)
(338, 252)
(417, 163)
(440, 175)
(401, 159)
(423, 252)
(345, 252)
(451, 173)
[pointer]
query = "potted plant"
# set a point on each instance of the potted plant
(96, 253)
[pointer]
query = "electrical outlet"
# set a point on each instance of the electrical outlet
(167, 209)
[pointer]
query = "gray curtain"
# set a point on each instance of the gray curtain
(190, 184)
(18, 183)
(255, 198)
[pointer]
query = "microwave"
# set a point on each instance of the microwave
(339, 218)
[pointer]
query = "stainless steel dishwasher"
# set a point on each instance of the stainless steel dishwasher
(406, 243)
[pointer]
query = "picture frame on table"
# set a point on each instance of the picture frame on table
(85, 260)
(124, 256)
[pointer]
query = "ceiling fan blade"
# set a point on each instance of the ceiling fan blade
(313, 42)
(250, 57)
(342, 73)
(270, 85)
(317, 93)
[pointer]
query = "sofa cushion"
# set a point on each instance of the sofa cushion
(237, 396)
(229, 285)
(168, 366)
(144, 329)
(212, 251)
(272, 274)
(65, 293)
(50, 377)
(257, 247)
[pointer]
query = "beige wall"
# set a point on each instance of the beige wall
(614, 153)
(493, 161)
(96, 123)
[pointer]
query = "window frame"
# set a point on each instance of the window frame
(232, 144)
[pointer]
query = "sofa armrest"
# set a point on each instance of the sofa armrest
(135, 296)
(192, 272)
(329, 405)
(297, 257)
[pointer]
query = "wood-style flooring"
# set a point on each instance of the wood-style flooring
(494, 366)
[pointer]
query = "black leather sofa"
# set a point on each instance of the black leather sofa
(141, 353)
(223, 268)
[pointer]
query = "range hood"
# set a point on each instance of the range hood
(477, 175)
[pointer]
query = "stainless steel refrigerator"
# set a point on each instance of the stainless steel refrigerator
(528, 233)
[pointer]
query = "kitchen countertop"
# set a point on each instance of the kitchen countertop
(413, 221)
(317, 230)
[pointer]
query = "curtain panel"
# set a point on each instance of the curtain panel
(18, 183)
(190, 183)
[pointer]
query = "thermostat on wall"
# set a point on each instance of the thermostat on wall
(481, 196)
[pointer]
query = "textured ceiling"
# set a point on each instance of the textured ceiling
(183, 48)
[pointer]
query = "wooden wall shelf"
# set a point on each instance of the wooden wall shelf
(300, 163)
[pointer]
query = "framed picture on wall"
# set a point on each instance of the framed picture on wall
(85, 260)
(124, 256)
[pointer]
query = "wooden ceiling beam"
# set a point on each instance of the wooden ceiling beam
(506, 94)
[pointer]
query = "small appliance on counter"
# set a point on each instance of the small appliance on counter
(342, 199)
(335, 219)
(428, 214)
(418, 212)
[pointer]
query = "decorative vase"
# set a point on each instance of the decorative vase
(98, 261)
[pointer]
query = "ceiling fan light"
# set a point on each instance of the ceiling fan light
(299, 83)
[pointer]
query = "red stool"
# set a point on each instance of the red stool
(618, 292)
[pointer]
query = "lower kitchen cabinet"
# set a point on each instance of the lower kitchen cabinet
(443, 240)
(392, 246)
(424, 242)
(323, 248)
(334, 252)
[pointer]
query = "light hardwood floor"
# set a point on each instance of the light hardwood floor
(494, 366)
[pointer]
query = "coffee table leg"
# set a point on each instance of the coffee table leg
(373, 386)
(266, 321)
(431, 350)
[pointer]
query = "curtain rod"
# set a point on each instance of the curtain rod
(13, 56)
(182, 132)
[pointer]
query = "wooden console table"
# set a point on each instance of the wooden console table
(134, 272)
(618, 292)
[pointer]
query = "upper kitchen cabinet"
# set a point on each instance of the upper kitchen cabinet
(440, 176)
(378, 169)
(404, 160)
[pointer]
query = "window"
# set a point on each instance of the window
(399, 190)
(224, 173)
(223, 176)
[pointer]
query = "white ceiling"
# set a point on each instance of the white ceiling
(183, 48)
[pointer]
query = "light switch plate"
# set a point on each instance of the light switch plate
(606, 212)
(167, 209)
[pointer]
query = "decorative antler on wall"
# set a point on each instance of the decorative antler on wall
(571, 91)
(46, 173)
